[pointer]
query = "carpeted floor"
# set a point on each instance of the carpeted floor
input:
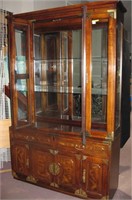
(14, 189)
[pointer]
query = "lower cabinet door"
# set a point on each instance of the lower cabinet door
(41, 160)
(95, 177)
(59, 170)
(20, 158)
(67, 173)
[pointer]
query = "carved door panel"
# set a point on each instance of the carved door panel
(41, 161)
(67, 174)
(20, 158)
(95, 177)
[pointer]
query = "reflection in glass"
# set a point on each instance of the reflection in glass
(20, 40)
(99, 73)
(21, 87)
(58, 74)
(21, 73)
(118, 74)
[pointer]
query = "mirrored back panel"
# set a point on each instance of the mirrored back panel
(58, 61)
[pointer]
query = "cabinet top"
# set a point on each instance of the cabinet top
(70, 11)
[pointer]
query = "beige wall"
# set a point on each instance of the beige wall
(44, 4)
(17, 6)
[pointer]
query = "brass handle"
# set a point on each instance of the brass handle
(79, 147)
(84, 176)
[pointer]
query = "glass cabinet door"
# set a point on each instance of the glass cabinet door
(103, 73)
(20, 65)
(21, 74)
(99, 72)
(62, 54)
(57, 68)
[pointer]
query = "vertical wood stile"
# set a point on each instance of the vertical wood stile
(89, 75)
(111, 75)
(83, 73)
(11, 42)
(70, 73)
(31, 74)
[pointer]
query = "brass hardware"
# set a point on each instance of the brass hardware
(105, 198)
(105, 161)
(94, 21)
(54, 169)
(84, 176)
(81, 193)
(78, 156)
(31, 179)
(112, 13)
(80, 147)
(54, 185)
(32, 20)
(53, 152)
(111, 136)
(84, 157)
(14, 174)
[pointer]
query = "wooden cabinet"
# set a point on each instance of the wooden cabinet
(20, 158)
(66, 83)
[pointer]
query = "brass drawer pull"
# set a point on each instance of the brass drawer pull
(79, 147)
(84, 176)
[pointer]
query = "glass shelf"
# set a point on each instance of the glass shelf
(60, 89)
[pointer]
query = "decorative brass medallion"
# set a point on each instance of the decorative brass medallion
(54, 169)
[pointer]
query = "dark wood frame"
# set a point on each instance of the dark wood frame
(81, 162)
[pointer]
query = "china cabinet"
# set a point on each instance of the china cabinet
(66, 89)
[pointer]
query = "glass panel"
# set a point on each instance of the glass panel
(58, 76)
(21, 75)
(20, 40)
(118, 74)
(22, 96)
(99, 73)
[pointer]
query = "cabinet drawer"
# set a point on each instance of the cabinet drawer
(92, 147)
(97, 149)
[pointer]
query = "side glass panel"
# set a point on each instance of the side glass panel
(99, 73)
(58, 77)
(22, 95)
(20, 40)
(119, 73)
(21, 74)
